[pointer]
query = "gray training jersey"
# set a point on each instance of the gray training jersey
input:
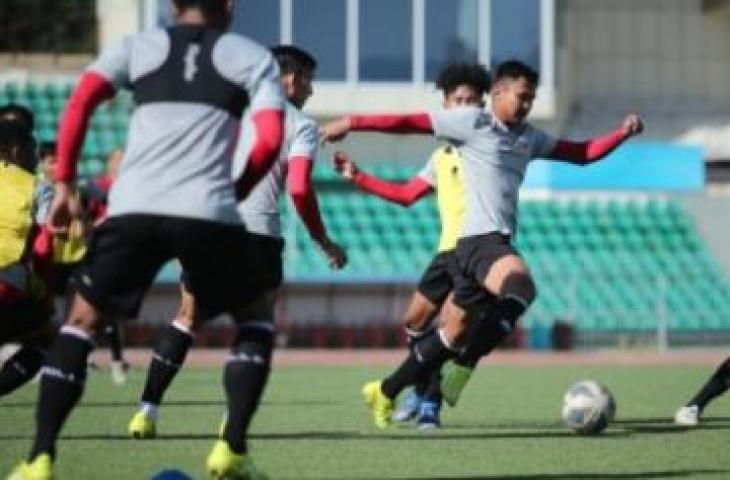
(260, 210)
(494, 161)
(191, 85)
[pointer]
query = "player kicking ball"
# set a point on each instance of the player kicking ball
(497, 144)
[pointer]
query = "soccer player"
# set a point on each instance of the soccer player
(689, 415)
(462, 84)
(260, 212)
(25, 257)
(174, 198)
(497, 144)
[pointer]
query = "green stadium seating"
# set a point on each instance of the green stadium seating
(604, 265)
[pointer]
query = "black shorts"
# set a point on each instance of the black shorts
(436, 283)
(61, 277)
(125, 254)
(21, 318)
(268, 250)
(474, 257)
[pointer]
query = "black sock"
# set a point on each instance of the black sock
(114, 336)
(244, 377)
(493, 326)
(428, 355)
(62, 384)
(715, 386)
(433, 389)
(20, 368)
(413, 336)
(168, 357)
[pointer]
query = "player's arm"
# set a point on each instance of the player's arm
(299, 184)
(404, 194)
(267, 115)
(98, 83)
(400, 124)
(592, 150)
(455, 124)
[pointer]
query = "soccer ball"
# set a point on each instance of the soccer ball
(588, 407)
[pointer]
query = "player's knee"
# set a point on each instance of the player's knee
(253, 345)
(521, 285)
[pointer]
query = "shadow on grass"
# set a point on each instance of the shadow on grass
(174, 403)
(568, 476)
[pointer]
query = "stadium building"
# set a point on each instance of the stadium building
(633, 250)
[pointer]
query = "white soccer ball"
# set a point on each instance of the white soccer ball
(588, 407)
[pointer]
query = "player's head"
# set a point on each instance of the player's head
(216, 13)
(463, 84)
(513, 91)
(18, 114)
(17, 145)
(47, 157)
(297, 72)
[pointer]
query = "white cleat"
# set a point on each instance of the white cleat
(688, 416)
(119, 372)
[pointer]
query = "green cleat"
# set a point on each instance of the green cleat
(224, 464)
(381, 406)
(141, 426)
(39, 469)
(455, 378)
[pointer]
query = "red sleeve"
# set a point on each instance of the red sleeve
(589, 151)
(299, 183)
(43, 252)
(412, 123)
(401, 193)
(269, 126)
(90, 92)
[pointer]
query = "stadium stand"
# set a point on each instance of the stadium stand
(601, 265)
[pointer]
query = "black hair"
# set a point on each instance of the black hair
(46, 148)
(292, 59)
(18, 114)
(15, 135)
(463, 73)
(206, 6)
(514, 70)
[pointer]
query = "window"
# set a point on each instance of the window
(515, 32)
(319, 26)
(385, 40)
(258, 19)
(451, 34)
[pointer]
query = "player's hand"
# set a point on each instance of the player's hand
(345, 166)
(632, 125)
(335, 130)
(59, 213)
(335, 253)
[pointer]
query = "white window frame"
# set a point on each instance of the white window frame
(337, 97)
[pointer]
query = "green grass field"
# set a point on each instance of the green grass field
(313, 425)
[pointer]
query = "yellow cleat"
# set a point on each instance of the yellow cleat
(141, 426)
(381, 406)
(39, 469)
(224, 464)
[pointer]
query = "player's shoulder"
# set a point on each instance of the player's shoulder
(298, 121)
(237, 46)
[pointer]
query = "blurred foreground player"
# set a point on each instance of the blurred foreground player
(260, 212)
(173, 199)
(25, 258)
